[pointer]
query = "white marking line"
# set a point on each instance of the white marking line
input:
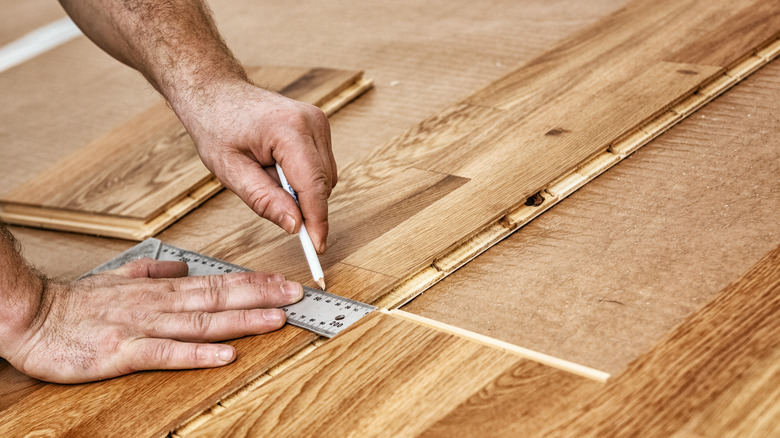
(562, 364)
(36, 42)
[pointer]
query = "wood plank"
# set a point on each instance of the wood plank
(155, 402)
(721, 352)
(383, 377)
(749, 407)
(662, 232)
(152, 402)
(538, 158)
(159, 176)
(379, 203)
(519, 402)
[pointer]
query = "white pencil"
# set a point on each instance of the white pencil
(308, 246)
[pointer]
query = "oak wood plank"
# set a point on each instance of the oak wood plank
(720, 353)
(519, 402)
(662, 233)
(383, 377)
(376, 205)
(152, 402)
(748, 408)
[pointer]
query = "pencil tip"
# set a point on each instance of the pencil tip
(321, 282)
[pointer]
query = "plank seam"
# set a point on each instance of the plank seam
(568, 183)
(228, 400)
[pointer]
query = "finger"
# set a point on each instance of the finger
(151, 268)
(262, 194)
(224, 280)
(308, 178)
(322, 142)
(208, 327)
(248, 296)
(166, 354)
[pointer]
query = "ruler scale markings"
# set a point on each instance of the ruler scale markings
(321, 312)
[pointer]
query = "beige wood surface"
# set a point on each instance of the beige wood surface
(145, 174)
(662, 232)
(21, 17)
(721, 355)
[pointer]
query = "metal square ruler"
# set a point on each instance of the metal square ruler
(321, 312)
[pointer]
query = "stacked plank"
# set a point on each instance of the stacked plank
(425, 203)
(145, 174)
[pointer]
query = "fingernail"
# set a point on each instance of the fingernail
(225, 354)
(273, 315)
(288, 223)
(292, 290)
(323, 246)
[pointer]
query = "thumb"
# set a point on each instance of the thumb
(151, 268)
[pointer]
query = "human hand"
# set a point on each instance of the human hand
(241, 131)
(144, 316)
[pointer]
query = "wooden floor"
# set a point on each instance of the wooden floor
(593, 94)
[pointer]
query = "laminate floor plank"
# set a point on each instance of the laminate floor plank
(748, 408)
(519, 402)
(663, 232)
(726, 350)
(388, 376)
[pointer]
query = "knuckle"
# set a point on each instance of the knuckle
(214, 298)
(198, 354)
(259, 201)
(200, 323)
(244, 318)
(158, 353)
(320, 184)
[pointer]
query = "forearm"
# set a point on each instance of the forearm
(20, 292)
(173, 43)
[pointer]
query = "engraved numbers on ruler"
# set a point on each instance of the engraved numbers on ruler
(324, 313)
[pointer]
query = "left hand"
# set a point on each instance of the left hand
(143, 316)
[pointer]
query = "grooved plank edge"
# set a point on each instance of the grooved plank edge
(569, 182)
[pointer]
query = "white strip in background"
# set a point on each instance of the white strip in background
(37, 42)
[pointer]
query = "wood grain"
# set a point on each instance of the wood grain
(153, 402)
(384, 377)
(662, 233)
(161, 413)
(718, 356)
(519, 402)
(145, 174)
